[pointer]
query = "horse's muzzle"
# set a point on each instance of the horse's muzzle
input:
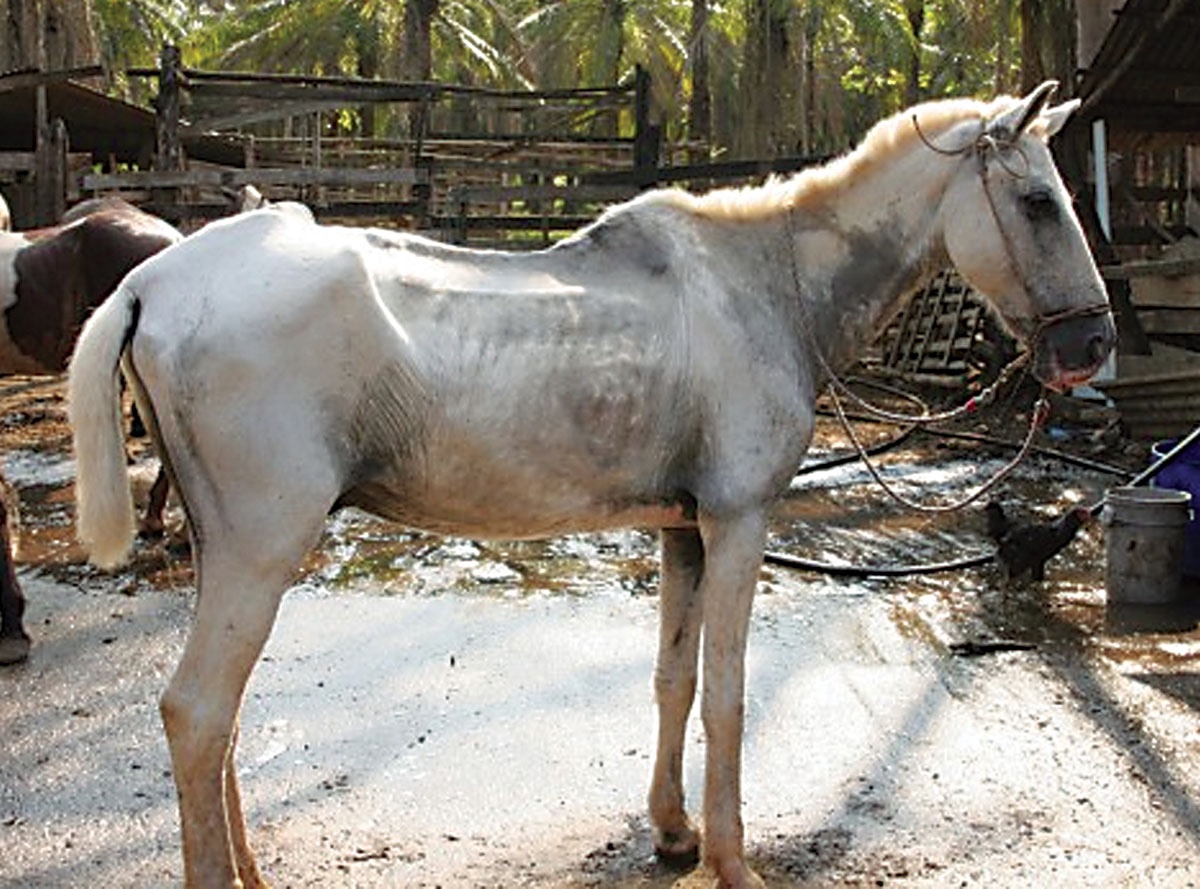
(1068, 352)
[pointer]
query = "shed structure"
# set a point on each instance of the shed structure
(1133, 155)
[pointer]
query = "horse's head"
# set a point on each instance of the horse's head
(1010, 230)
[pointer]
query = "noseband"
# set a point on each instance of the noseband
(983, 145)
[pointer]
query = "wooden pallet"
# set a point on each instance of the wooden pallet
(937, 331)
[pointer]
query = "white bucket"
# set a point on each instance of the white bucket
(1145, 535)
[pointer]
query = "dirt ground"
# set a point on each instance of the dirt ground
(448, 713)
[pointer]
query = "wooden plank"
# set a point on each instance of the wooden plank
(396, 210)
(1163, 267)
(332, 176)
(19, 80)
(1170, 320)
(512, 223)
(16, 161)
(379, 210)
(151, 179)
(433, 89)
(492, 193)
(298, 176)
(1162, 292)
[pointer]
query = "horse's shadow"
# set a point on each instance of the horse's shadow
(627, 860)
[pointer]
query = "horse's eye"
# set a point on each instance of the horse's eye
(1039, 206)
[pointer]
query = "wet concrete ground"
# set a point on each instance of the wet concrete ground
(446, 713)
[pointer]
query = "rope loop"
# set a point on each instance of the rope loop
(1037, 417)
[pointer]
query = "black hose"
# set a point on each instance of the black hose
(864, 571)
(789, 561)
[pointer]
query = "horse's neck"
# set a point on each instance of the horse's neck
(872, 243)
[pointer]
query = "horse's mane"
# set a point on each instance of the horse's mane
(882, 142)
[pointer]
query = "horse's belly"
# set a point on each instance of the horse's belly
(482, 513)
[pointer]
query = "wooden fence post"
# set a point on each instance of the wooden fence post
(169, 153)
(646, 135)
(50, 175)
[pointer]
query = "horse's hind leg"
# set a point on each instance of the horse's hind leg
(247, 868)
(675, 839)
(152, 522)
(242, 577)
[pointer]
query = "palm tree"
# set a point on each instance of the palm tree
(131, 33)
(700, 102)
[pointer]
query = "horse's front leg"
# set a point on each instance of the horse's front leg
(733, 548)
(675, 839)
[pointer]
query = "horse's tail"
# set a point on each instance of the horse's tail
(104, 503)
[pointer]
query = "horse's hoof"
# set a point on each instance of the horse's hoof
(13, 650)
(737, 875)
(677, 849)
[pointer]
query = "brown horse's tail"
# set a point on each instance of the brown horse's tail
(104, 503)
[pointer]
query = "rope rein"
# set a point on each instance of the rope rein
(1041, 410)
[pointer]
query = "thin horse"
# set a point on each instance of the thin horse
(50, 280)
(658, 368)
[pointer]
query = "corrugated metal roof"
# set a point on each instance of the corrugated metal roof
(1146, 74)
(98, 124)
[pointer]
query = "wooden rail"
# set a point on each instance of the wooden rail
(259, 176)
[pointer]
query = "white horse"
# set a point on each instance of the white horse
(659, 368)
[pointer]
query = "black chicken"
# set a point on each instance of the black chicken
(1026, 547)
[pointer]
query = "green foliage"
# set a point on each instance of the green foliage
(846, 62)
(131, 33)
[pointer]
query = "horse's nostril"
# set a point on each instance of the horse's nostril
(1098, 347)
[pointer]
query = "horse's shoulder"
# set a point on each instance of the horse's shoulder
(650, 234)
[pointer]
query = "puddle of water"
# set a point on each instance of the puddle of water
(361, 553)
(24, 468)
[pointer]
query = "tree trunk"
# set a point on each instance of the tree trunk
(1032, 70)
(418, 38)
(700, 103)
(368, 46)
(914, 12)
(1048, 35)
(765, 81)
(64, 28)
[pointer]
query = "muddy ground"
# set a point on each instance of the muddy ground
(449, 713)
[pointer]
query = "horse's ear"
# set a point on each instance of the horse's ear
(1056, 118)
(1013, 122)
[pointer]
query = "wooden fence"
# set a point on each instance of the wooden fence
(463, 163)
(454, 160)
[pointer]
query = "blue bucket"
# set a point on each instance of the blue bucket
(1183, 474)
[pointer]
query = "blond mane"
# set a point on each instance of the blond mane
(884, 140)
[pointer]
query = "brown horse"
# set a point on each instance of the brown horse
(50, 281)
